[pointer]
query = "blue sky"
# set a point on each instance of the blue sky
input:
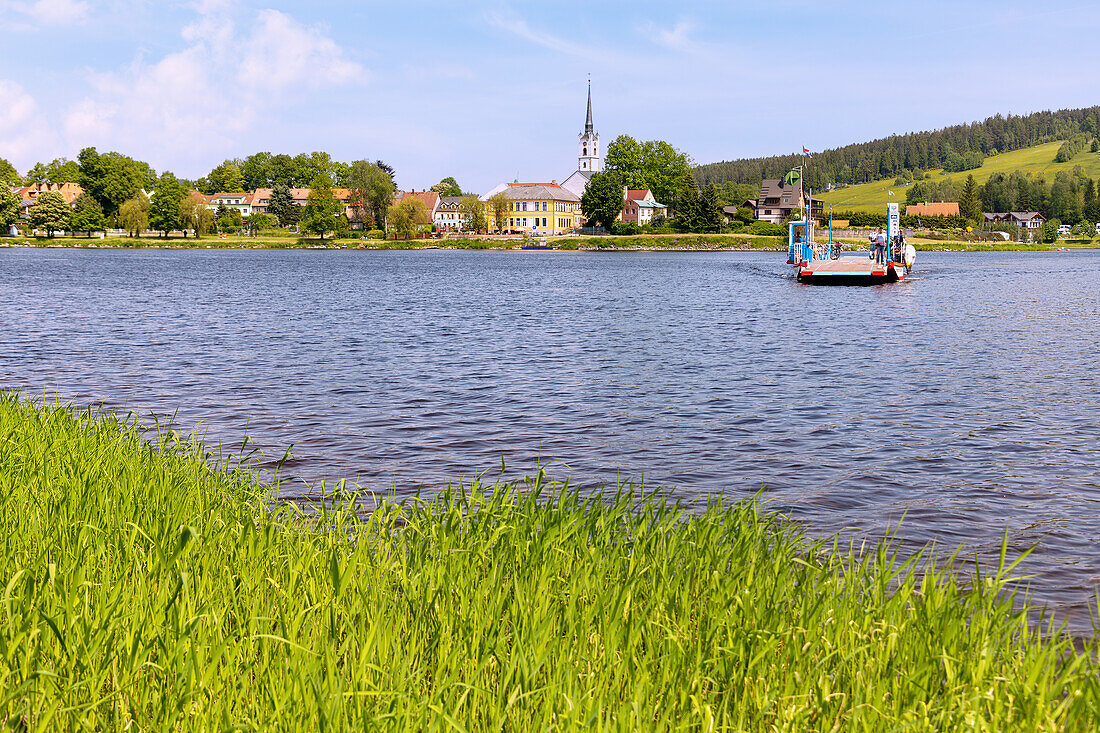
(491, 91)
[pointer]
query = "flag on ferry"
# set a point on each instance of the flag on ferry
(806, 151)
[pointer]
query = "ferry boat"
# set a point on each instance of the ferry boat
(823, 264)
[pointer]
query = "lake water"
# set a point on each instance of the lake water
(965, 399)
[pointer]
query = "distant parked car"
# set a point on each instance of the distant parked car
(1063, 231)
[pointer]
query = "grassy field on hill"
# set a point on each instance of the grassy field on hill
(1039, 159)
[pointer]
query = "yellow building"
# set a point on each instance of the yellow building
(540, 209)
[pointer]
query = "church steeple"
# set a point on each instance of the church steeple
(588, 142)
(588, 117)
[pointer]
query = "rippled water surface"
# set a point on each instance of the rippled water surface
(967, 399)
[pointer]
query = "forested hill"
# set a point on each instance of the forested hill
(956, 148)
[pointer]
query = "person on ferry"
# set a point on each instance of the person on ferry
(879, 243)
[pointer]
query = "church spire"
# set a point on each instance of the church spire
(588, 117)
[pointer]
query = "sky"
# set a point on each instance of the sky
(494, 91)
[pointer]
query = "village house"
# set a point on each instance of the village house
(239, 201)
(778, 200)
(942, 208)
(640, 207)
(29, 194)
(1022, 219)
(448, 217)
(430, 199)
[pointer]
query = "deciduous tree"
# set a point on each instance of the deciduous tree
(164, 209)
(603, 199)
(195, 215)
(133, 215)
(112, 178)
(9, 210)
(50, 212)
(407, 214)
(225, 178)
(87, 215)
(472, 210)
(498, 208)
(372, 190)
(256, 170)
(8, 175)
(321, 208)
(448, 187)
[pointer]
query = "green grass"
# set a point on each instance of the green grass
(147, 586)
(874, 196)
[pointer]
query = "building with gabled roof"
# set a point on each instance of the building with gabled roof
(942, 208)
(540, 209)
(640, 207)
(778, 199)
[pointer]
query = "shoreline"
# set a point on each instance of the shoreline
(151, 586)
(605, 244)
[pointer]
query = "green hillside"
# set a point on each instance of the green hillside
(1035, 160)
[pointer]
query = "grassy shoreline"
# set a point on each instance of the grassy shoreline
(646, 243)
(146, 585)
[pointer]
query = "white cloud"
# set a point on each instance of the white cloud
(23, 131)
(53, 12)
(677, 38)
(283, 54)
(209, 97)
(517, 26)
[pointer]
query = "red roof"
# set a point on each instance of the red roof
(636, 194)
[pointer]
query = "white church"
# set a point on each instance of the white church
(589, 160)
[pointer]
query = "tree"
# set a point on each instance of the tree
(256, 170)
(50, 212)
(745, 215)
(969, 205)
(226, 178)
(1050, 231)
(8, 175)
(624, 155)
(1095, 147)
(406, 214)
(472, 210)
(654, 164)
(195, 215)
(688, 207)
(164, 209)
(498, 207)
(133, 215)
(281, 204)
(372, 190)
(308, 167)
(87, 215)
(230, 221)
(322, 206)
(280, 170)
(710, 209)
(59, 170)
(603, 199)
(359, 177)
(112, 178)
(9, 210)
(447, 187)
(257, 222)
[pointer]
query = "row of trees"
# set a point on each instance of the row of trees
(694, 209)
(959, 147)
